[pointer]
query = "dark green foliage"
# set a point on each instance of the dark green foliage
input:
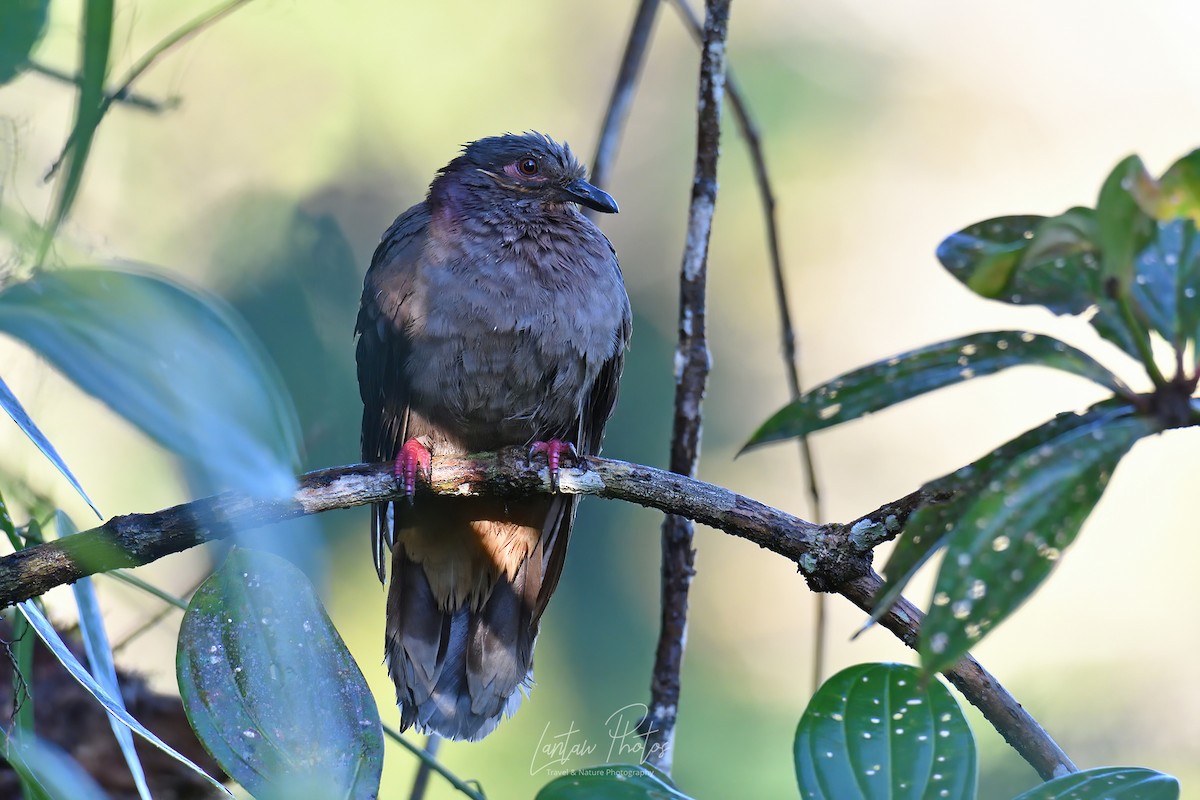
(1108, 783)
(1132, 265)
(270, 688)
(22, 23)
(881, 732)
(886, 383)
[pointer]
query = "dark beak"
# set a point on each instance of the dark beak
(585, 194)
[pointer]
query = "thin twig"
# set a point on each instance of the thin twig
(693, 361)
(622, 94)
(789, 340)
(832, 558)
(168, 606)
(144, 63)
(434, 764)
(977, 684)
(131, 99)
(421, 782)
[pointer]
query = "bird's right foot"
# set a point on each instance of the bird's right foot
(413, 459)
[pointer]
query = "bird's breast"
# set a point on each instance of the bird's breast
(502, 354)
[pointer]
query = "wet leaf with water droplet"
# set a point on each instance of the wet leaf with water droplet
(894, 380)
(876, 731)
(1123, 226)
(1179, 190)
(1107, 783)
(1038, 507)
(272, 700)
(1168, 281)
(1029, 260)
(929, 528)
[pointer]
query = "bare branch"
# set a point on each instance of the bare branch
(832, 558)
(790, 342)
(622, 94)
(692, 364)
(129, 98)
(978, 685)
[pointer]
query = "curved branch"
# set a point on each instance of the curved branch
(832, 558)
(978, 685)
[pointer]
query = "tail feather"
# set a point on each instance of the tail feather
(461, 663)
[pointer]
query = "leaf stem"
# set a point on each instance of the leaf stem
(1141, 339)
(427, 759)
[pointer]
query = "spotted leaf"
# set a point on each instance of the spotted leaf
(886, 383)
(270, 688)
(1123, 226)
(876, 731)
(1167, 281)
(1029, 260)
(1108, 783)
(930, 527)
(1016, 528)
(1179, 190)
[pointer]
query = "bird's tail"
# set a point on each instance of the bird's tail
(466, 594)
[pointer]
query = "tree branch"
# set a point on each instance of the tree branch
(622, 94)
(692, 364)
(978, 685)
(832, 558)
(787, 332)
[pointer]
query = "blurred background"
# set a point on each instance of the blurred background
(305, 128)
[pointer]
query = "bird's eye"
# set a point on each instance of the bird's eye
(528, 166)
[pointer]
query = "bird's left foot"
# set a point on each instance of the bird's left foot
(412, 460)
(554, 450)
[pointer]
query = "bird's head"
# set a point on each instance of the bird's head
(523, 167)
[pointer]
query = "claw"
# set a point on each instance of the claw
(413, 458)
(554, 450)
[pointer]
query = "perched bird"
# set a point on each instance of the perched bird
(493, 314)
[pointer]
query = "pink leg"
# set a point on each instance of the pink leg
(412, 459)
(554, 450)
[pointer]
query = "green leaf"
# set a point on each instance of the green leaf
(1107, 783)
(1055, 263)
(930, 527)
(100, 659)
(985, 256)
(1122, 226)
(1016, 529)
(1179, 190)
(22, 23)
(95, 45)
(174, 362)
(15, 410)
(58, 647)
(886, 383)
(270, 688)
(1167, 281)
(880, 732)
(612, 782)
(1029, 260)
(53, 773)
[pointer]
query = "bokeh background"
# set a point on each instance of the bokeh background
(305, 128)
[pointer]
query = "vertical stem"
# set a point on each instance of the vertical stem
(692, 363)
(622, 94)
(789, 340)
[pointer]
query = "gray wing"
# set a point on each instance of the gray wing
(589, 432)
(383, 351)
